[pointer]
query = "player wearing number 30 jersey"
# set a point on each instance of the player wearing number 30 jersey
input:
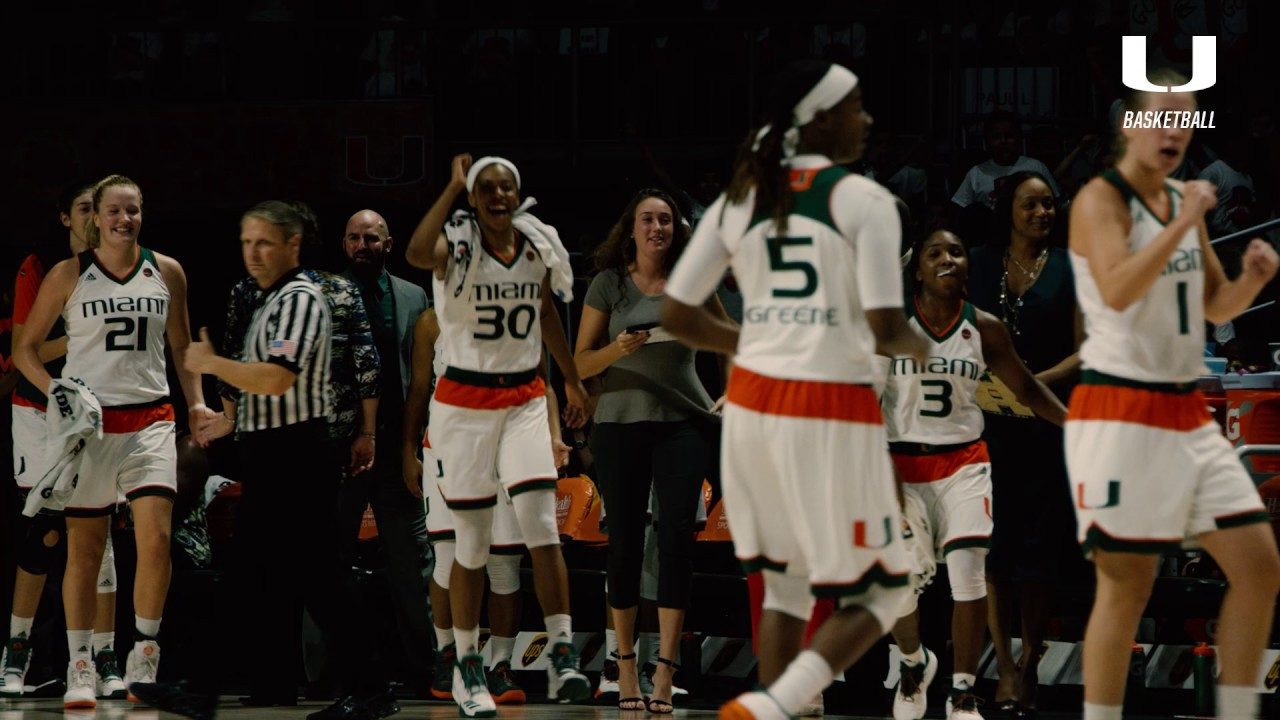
(934, 426)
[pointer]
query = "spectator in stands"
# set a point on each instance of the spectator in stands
(1003, 137)
(1023, 276)
(647, 430)
(393, 306)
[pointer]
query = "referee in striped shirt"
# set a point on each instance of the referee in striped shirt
(287, 518)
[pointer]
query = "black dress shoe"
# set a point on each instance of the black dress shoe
(344, 708)
(379, 705)
(177, 699)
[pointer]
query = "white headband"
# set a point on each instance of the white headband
(830, 90)
(485, 162)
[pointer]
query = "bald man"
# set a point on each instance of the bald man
(393, 306)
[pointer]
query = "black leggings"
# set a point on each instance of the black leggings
(673, 458)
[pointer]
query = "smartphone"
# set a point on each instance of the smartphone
(642, 327)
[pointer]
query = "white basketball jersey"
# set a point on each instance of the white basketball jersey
(806, 291)
(937, 403)
(490, 309)
(115, 331)
(1160, 338)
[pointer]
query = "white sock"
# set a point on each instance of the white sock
(20, 626)
(79, 643)
(444, 637)
(559, 628)
(915, 658)
(611, 642)
(1094, 711)
(1236, 702)
(147, 627)
(103, 641)
(650, 647)
(806, 676)
(502, 649)
(468, 641)
(963, 680)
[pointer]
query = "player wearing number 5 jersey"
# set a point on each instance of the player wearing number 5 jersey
(808, 487)
(498, 273)
(118, 301)
(934, 426)
(1148, 466)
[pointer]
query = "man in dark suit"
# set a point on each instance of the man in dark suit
(393, 306)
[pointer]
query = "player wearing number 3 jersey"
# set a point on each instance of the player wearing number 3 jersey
(498, 271)
(1148, 466)
(934, 426)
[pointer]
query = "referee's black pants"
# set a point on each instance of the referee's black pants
(287, 544)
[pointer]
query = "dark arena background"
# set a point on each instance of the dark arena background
(212, 107)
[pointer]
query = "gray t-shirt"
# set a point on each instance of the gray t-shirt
(656, 383)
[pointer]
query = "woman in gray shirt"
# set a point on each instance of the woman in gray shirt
(647, 431)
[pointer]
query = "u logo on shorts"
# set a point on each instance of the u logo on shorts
(860, 534)
(1113, 496)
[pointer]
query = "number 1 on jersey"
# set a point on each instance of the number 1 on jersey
(1184, 322)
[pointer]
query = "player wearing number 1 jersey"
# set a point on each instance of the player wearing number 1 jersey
(808, 486)
(1148, 466)
(497, 270)
(119, 301)
(934, 427)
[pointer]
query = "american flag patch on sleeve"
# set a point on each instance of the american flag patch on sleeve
(283, 347)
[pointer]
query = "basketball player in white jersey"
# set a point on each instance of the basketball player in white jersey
(488, 417)
(120, 302)
(808, 486)
(422, 478)
(1148, 466)
(934, 426)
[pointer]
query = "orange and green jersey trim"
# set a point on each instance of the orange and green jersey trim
(815, 399)
(1167, 406)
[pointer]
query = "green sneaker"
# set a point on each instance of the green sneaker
(565, 683)
(502, 685)
(442, 677)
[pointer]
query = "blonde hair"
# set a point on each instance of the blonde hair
(91, 235)
(1137, 100)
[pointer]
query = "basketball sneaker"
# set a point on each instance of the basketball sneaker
(107, 670)
(141, 664)
(962, 704)
(442, 677)
(753, 706)
(17, 659)
(470, 691)
(502, 685)
(910, 699)
(565, 683)
(646, 682)
(80, 684)
(608, 678)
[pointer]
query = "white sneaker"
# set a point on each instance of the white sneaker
(142, 664)
(471, 690)
(962, 704)
(16, 661)
(80, 685)
(107, 671)
(609, 678)
(753, 705)
(565, 682)
(910, 700)
(816, 708)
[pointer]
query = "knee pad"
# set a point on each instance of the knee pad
(967, 571)
(536, 515)
(107, 571)
(473, 532)
(504, 574)
(34, 556)
(884, 604)
(444, 563)
(788, 594)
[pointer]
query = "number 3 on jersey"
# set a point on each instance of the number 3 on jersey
(942, 397)
(516, 323)
(778, 264)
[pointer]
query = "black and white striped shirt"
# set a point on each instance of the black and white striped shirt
(291, 328)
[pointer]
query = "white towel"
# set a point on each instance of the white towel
(73, 417)
(463, 234)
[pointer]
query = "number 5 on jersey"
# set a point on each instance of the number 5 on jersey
(779, 264)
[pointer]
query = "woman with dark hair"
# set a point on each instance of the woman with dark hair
(805, 462)
(1024, 278)
(647, 426)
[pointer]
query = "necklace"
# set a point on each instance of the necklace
(1011, 309)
